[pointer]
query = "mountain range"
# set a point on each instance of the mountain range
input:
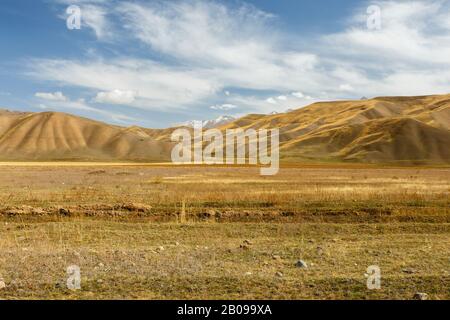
(209, 124)
(402, 130)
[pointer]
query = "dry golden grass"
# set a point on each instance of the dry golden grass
(338, 219)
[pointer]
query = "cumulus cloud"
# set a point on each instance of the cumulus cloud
(298, 94)
(55, 96)
(123, 97)
(225, 107)
(346, 87)
(271, 101)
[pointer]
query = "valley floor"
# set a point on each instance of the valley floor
(165, 232)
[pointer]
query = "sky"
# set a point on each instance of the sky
(160, 63)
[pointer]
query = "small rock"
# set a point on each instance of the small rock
(101, 265)
(99, 281)
(177, 243)
(276, 257)
(420, 296)
(279, 274)
(211, 213)
(244, 247)
(2, 285)
(301, 264)
(248, 242)
(64, 211)
(409, 271)
(160, 248)
(248, 273)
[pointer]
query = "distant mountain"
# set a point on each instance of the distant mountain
(209, 124)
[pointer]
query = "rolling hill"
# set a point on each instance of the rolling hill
(405, 130)
(386, 129)
(60, 136)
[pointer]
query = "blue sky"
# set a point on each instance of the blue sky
(158, 63)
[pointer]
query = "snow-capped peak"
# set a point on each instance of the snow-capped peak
(209, 124)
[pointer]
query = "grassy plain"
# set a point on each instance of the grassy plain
(166, 232)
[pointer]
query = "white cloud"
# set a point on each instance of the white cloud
(346, 87)
(56, 96)
(94, 17)
(81, 106)
(282, 98)
(213, 46)
(271, 101)
(226, 106)
(123, 97)
(298, 94)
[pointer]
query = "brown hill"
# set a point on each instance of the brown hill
(385, 129)
(60, 136)
(411, 130)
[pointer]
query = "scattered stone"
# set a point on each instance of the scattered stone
(211, 213)
(301, 264)
(159, 249)
(279, 274)
(276, 257)
(64, 211)
(101, 265)
(177, 243)
(248, 242)
(2, 285)
(409, 271)
(244, 247)
(420, 296)
(99, 281)
(248, 273)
